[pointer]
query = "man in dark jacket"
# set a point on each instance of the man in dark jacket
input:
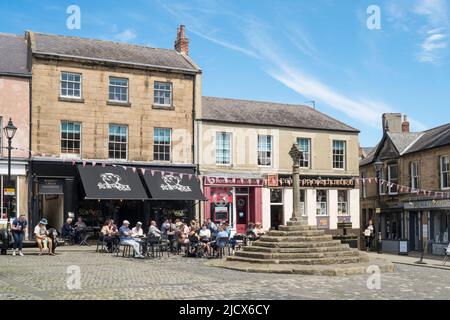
(67, 230)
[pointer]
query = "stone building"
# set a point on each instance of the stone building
(100, 106)
(246, 170)
(15, 105)
(413, 197)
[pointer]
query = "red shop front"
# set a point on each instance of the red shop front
(236, 200)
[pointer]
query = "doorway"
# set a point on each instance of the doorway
(242, 211)
(276, 208)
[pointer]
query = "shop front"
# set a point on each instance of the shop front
(14, 191)
(233, 199)
(97, 192)
(428, 220)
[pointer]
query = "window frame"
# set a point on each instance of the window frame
(309, 140)
(441, 173)
(162, 145)
(64, 154)
(61, 82)
(126, 143)
(157, 104)
(344, 155)
(389, 188)
(230, 149)
(327, 214)
(282, 197)
(415, 185)
(347, 196)
(264, 151)
(116, 86)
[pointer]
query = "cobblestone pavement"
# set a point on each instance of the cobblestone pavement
(106, 277)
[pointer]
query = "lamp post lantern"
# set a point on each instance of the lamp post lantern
(378, 169)
(10, 131)
(296, 156)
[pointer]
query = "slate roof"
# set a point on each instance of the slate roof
(13, 55)
(269, 113)
(403, 140)
(433, 138)
(369, 157)
(109, 51)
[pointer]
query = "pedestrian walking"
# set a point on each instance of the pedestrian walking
(18, 229)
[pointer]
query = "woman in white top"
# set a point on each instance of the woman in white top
(137, 231)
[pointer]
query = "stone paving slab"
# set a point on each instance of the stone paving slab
(105, 277)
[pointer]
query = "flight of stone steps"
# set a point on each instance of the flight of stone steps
(298, 243)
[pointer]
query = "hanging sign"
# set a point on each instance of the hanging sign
(9, 191)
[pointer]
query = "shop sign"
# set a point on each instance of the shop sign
(441, 204)
(51, 186)
(311, 182)
(323, 223)
(403, 247)
(233, 181)
(9, 191)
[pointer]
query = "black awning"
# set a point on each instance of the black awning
(173, 184)
(111, 183)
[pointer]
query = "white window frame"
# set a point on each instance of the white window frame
(230, 148)
(442, 172)
(126, 144)
(164, 145)
(169, 105)
(390, 192)
(344, 204)
(319, 204)
(308, 158)
(118, 86)
(61, 82)
(415, 177)
(264, 151)
(344, 155)
(71, 155)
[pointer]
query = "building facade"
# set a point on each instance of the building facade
(15, 105)
(410, 205)
(246, 170)
(100, 104)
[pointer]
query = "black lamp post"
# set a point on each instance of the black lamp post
(10, 131)
(378, 168)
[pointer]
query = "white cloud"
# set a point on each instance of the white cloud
(126, 35)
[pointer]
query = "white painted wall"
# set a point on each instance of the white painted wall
(266, 208)
(311, 206)
(288, 197)
(333, 208)
(354, 207)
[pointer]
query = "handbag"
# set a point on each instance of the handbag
(367, 233)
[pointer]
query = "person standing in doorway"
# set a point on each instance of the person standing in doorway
(368, 234)
(18, 230)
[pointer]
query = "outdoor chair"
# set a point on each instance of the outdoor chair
(157, 246)
(447, 254)
(101, 244)
(238, 242)
(126, 250)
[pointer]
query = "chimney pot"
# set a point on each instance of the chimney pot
(181, 42)
(405, 124)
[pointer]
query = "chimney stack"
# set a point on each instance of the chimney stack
(182, 43)
(405, 125)
(392, 122)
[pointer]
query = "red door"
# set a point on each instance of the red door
(242, 209)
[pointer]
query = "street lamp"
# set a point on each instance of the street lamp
(10, 131)
(378, 169)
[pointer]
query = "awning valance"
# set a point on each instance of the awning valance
(173, 184)
(111, 183)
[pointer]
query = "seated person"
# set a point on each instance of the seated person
(221, 234)
(251, 232)
(42, 239)
(127, 239)
(153, 231)
(259, 229)
(108, 235)
(80, 227)
(67, 230)
(205, 237)
(137, 231)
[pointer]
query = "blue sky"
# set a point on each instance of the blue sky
(286, 51)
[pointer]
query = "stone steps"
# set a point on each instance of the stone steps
(333, 248)
(297, 233)
(296, 228)
(296, 244)
(318, 238)
(293, 256)
(313, 261)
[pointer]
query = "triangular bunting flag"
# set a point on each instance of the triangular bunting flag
(143, 170)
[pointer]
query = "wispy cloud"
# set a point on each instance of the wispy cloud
(126, 35)
(435, 32)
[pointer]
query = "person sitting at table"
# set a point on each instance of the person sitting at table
(67, 230)
(114, 228)
(42, 238)
(221, 234)
(108, 235)
(127, 239)
(137, 231)
(80, 227)
(164, 228)
(212, 227)
(251, 232)
(153, 231)
(205, 237)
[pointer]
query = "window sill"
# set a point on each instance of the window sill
(118, 103)
(162, 107)
(66, 99)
